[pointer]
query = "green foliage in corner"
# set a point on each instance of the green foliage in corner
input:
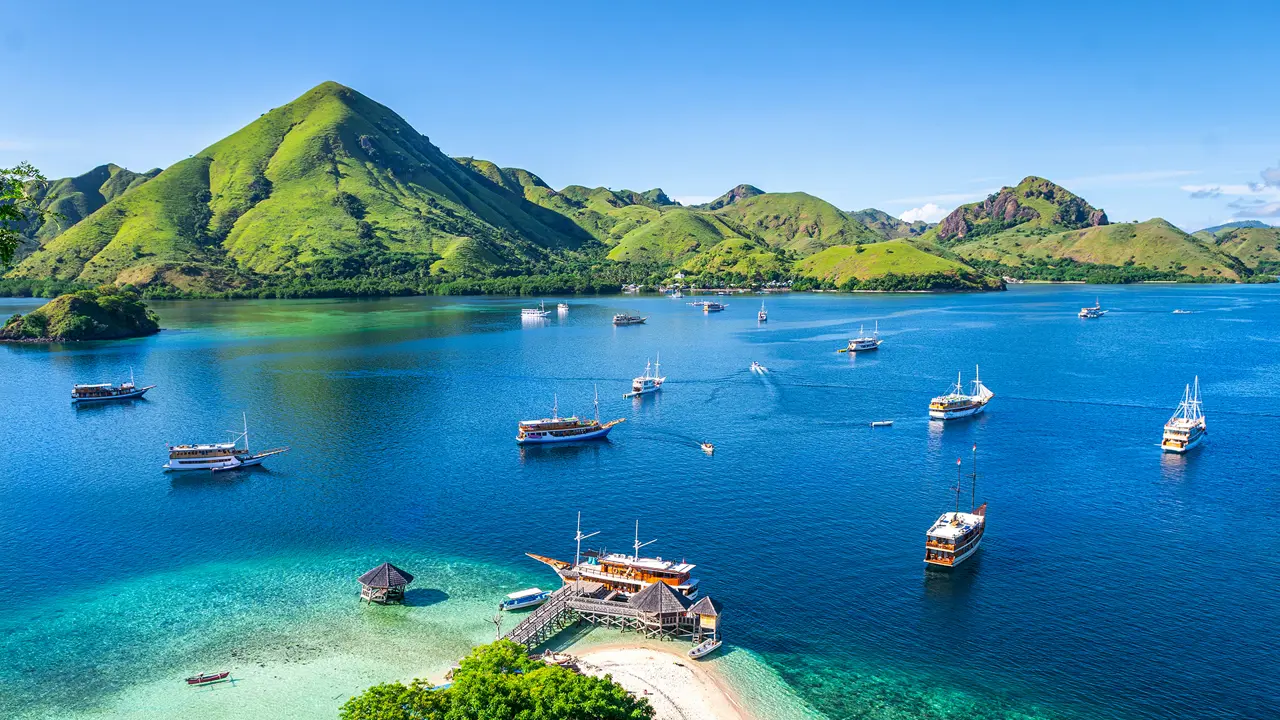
(500, 682)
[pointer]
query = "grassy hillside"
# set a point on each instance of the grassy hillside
(329, 176)
(1032, 203)
(1257, 247)
(1154, 245)
(797, 222)
(70, 200)
(741, 259)
(671, 237)
(896, 261)
(889, 226)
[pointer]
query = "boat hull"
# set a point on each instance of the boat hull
(122, 396)
(548, 438)
(525, 605)
(969, 551)
(219, 464)
(1191, 444)
(955, 414)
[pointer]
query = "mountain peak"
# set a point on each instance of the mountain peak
(1035, 200)
(739, 192)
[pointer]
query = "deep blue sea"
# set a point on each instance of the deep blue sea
(1114, 581)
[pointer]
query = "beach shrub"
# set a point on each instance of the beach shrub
(500, 682)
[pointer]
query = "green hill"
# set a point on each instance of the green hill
(1032, 203)
(740, 192)
(889, 226)
(70, 200)
(671, 237)
(896, 264)
(1257, 247)
(103, 314)
(326, 177)
(796, 222)
(1233, 225)
(1155, 246)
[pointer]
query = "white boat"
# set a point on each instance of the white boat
(957, 403)
(1187, 428)
(625, 319)
(539, 312)
(758, 368)
(677, 295)
(708, 448)
(557, 429)
(521, 599)
(218, 456)
(1181, 312)
(627, 573)
(705, 648)
(649, 382)
(956, 535)
(710, 307)
(865, 342)
(1088, 313)
(563, 307)
(881, 423)
(102, 392)
(762, 316)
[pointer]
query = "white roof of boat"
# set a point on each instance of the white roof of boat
(210, 446)
(95, 385)
(649, 563)
(953, 524)
(525, 593)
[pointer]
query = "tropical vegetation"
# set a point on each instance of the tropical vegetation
(500, 682)
(106, 313)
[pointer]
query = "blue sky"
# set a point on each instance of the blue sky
(1146, 109)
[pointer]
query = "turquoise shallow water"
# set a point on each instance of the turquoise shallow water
(1114, 581)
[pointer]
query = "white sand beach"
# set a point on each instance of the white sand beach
(677, 687)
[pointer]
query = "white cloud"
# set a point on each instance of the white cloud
(1246, 190)
(929, 212)
(693, 199)
(944, 198)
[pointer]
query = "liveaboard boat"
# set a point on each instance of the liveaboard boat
(649, 382)
(218, 456)
(762, 316)
(557, 429)
(710, 307)
(956, 535)
(534, 313)
(1187, 427)
(625, 319)
(621, 572)
(957, 403)
(1090, 313)
(522, 599)
(865, 342)
(106, 391)
(563, 307)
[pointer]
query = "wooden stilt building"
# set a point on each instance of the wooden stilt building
(384, 584)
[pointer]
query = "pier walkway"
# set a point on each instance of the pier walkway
(657, 611)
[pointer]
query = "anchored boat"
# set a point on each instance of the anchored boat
(625, 319)
(865, 342)
(649, 382)
(1187, 427)
(535, 313)
(1089, 313)
(218, 456)
(209, 678)
(706, 647)
(762, 316)
(710, 307)
(957, 403)
(557, 429)
(957, 535)
(106, 391)
(621, 572)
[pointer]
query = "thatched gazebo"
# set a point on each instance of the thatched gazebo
(384, 584)
(660, 608)
(707, 611)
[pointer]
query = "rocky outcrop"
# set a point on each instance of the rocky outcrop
(104, 314)
(1012, 206)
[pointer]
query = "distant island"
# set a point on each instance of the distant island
(108, 313)
(335, 194)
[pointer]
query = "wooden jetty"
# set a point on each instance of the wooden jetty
(657, 611)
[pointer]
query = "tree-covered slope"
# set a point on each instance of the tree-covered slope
(796, 222)
(70, 200)
(329, 175)
(103, 314)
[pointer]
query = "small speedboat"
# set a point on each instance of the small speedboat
(563, 307)
(1181, 312)
(881, 423)
(704, 648)
(708, 448)
(758, 368)
(522, 599)
(209, 678)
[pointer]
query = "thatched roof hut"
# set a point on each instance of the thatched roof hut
(384, 584)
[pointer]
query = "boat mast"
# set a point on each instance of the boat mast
(555, 407)
(877, 333)
(131, 382)
(579, 537)
(657, 365)
(245, 416)
(639, 544)
(973, 481)
(597, 387)
(957, 488)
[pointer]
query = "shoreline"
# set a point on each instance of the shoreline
(676, 686)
